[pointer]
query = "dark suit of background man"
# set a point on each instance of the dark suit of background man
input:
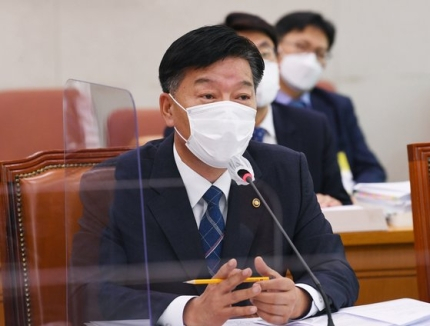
(209, 77)
(302, 130)
(305, 39)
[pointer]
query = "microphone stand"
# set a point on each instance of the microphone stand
(248, 178)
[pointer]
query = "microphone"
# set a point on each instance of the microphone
(248, 177)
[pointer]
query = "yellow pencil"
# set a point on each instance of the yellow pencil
(218, 280)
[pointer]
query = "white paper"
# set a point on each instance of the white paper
(388, 190)
(395, 312)
(400, 312)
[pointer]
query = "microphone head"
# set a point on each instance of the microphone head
(240, 170)
(245, 175)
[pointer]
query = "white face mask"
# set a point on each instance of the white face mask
(269, 85)
(301, 71)
(219, 131)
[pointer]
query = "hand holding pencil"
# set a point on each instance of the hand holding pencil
(219, 280)
(217, 302)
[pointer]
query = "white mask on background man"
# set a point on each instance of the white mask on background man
(269, 85)
(301, 71)
(218, 131)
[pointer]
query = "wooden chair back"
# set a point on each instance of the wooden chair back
(121, 126)
(31, 121)
(37, 231)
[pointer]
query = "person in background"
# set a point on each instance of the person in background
(209, 77)
(302, 130)
(305, 40)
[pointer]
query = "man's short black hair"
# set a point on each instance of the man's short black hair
(201, 48)
(241, 21)
(300, 20)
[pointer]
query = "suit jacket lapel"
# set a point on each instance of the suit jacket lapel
(171, 208)
(325, 105)
(242, 223)
(242, 220)
(285, 128)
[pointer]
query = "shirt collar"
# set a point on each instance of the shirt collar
(285, 99)
(267, 122)
(195, 184)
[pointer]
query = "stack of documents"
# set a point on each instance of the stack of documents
(354, 218)
(393, 197)
(401, 312)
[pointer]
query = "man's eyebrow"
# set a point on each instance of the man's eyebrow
(204, 80)
(247, 83)
(265, 44)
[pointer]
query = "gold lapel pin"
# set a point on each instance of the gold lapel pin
(256, 202)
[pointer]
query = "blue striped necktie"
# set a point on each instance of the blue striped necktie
(258, 134)
(298, 104)
(212, 229)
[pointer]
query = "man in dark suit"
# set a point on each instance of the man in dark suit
(305, 39)
(155, 242)
(302, 130)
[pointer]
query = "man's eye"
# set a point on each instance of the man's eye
(302, 46)
(270, 55)
(208, 96)
(244, 97)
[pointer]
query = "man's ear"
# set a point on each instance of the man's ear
(166, 109)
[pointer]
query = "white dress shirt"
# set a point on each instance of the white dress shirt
(268, 125)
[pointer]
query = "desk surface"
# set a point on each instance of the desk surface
(392, 236)
(384, 262)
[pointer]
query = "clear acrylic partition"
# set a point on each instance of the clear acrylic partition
(99, 280)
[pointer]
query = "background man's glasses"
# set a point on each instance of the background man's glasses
(304, 47)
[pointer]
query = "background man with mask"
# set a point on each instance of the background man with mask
(305, 39)
(302, 130)
(209, 77)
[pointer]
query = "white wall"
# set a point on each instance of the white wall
(380, 55)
